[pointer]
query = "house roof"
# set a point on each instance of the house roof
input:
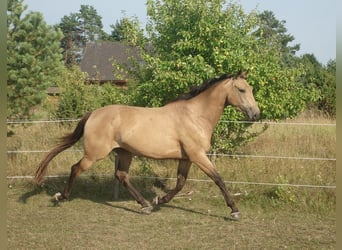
(98, 58)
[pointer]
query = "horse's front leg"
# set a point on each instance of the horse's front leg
(202, 161)
(182, 174)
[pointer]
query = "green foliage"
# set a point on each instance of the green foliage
(79, 29)
(77, 97)
(128, 30)
(275, 33)
(282, 193)
(230, 135)
(327, 101)
(322, 78)
(33, 59)
(72, 40)
(109, 94)
(192, 41)
(90, 23)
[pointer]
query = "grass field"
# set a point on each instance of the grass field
(92, 220)
(273, 217)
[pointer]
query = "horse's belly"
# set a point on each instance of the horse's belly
(158, 154)
(154, 145)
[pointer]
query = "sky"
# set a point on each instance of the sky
(311, 22)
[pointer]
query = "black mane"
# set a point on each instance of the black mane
(196, 90)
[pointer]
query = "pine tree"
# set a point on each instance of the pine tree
(79, 29)
(33, 59)
(275, 32)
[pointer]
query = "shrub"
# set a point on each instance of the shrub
(77, 97)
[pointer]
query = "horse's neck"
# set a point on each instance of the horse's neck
(209, 105)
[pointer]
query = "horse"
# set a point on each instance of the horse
(180, 130)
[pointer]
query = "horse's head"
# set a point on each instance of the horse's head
(240, 95)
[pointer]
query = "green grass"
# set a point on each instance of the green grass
(92, 220)
(272, 216)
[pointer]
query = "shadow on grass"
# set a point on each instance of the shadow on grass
(97, 189)
(93, 188)
(101, 190)
(24, 197)
(160, 207)
(192, 211)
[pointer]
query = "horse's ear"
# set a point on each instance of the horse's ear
(243, 74)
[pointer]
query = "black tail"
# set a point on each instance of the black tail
(66, 142)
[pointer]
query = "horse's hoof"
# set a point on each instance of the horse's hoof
(235, 215)
(146, 210)
(155, 201)
(57, 197)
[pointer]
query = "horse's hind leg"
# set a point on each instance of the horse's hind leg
(125, 159)
(76, 170)
(182, 174)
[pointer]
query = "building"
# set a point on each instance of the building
(98, 61)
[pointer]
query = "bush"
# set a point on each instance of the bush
(77, 97)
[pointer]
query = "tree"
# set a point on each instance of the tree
(195, 40)
(90, 24)
(275, 32)
(315, 76)
(128, 30)
(79, 29)
(323, 80)
(327, 101)
(33, 59)
(72, 40)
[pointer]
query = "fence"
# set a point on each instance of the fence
(221, 155)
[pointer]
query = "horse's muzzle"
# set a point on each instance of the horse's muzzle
(253, 113)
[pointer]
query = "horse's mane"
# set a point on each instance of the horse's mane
(196, 90)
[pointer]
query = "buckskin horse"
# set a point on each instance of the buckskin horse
(181, 130)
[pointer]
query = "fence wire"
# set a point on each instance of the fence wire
(223, 121)
(221, 155)
(194, 180)
(190, 179)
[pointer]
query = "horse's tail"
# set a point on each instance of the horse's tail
(66, 142)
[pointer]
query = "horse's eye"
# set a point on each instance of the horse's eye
(241, 90)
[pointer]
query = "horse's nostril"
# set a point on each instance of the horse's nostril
(253, 113)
